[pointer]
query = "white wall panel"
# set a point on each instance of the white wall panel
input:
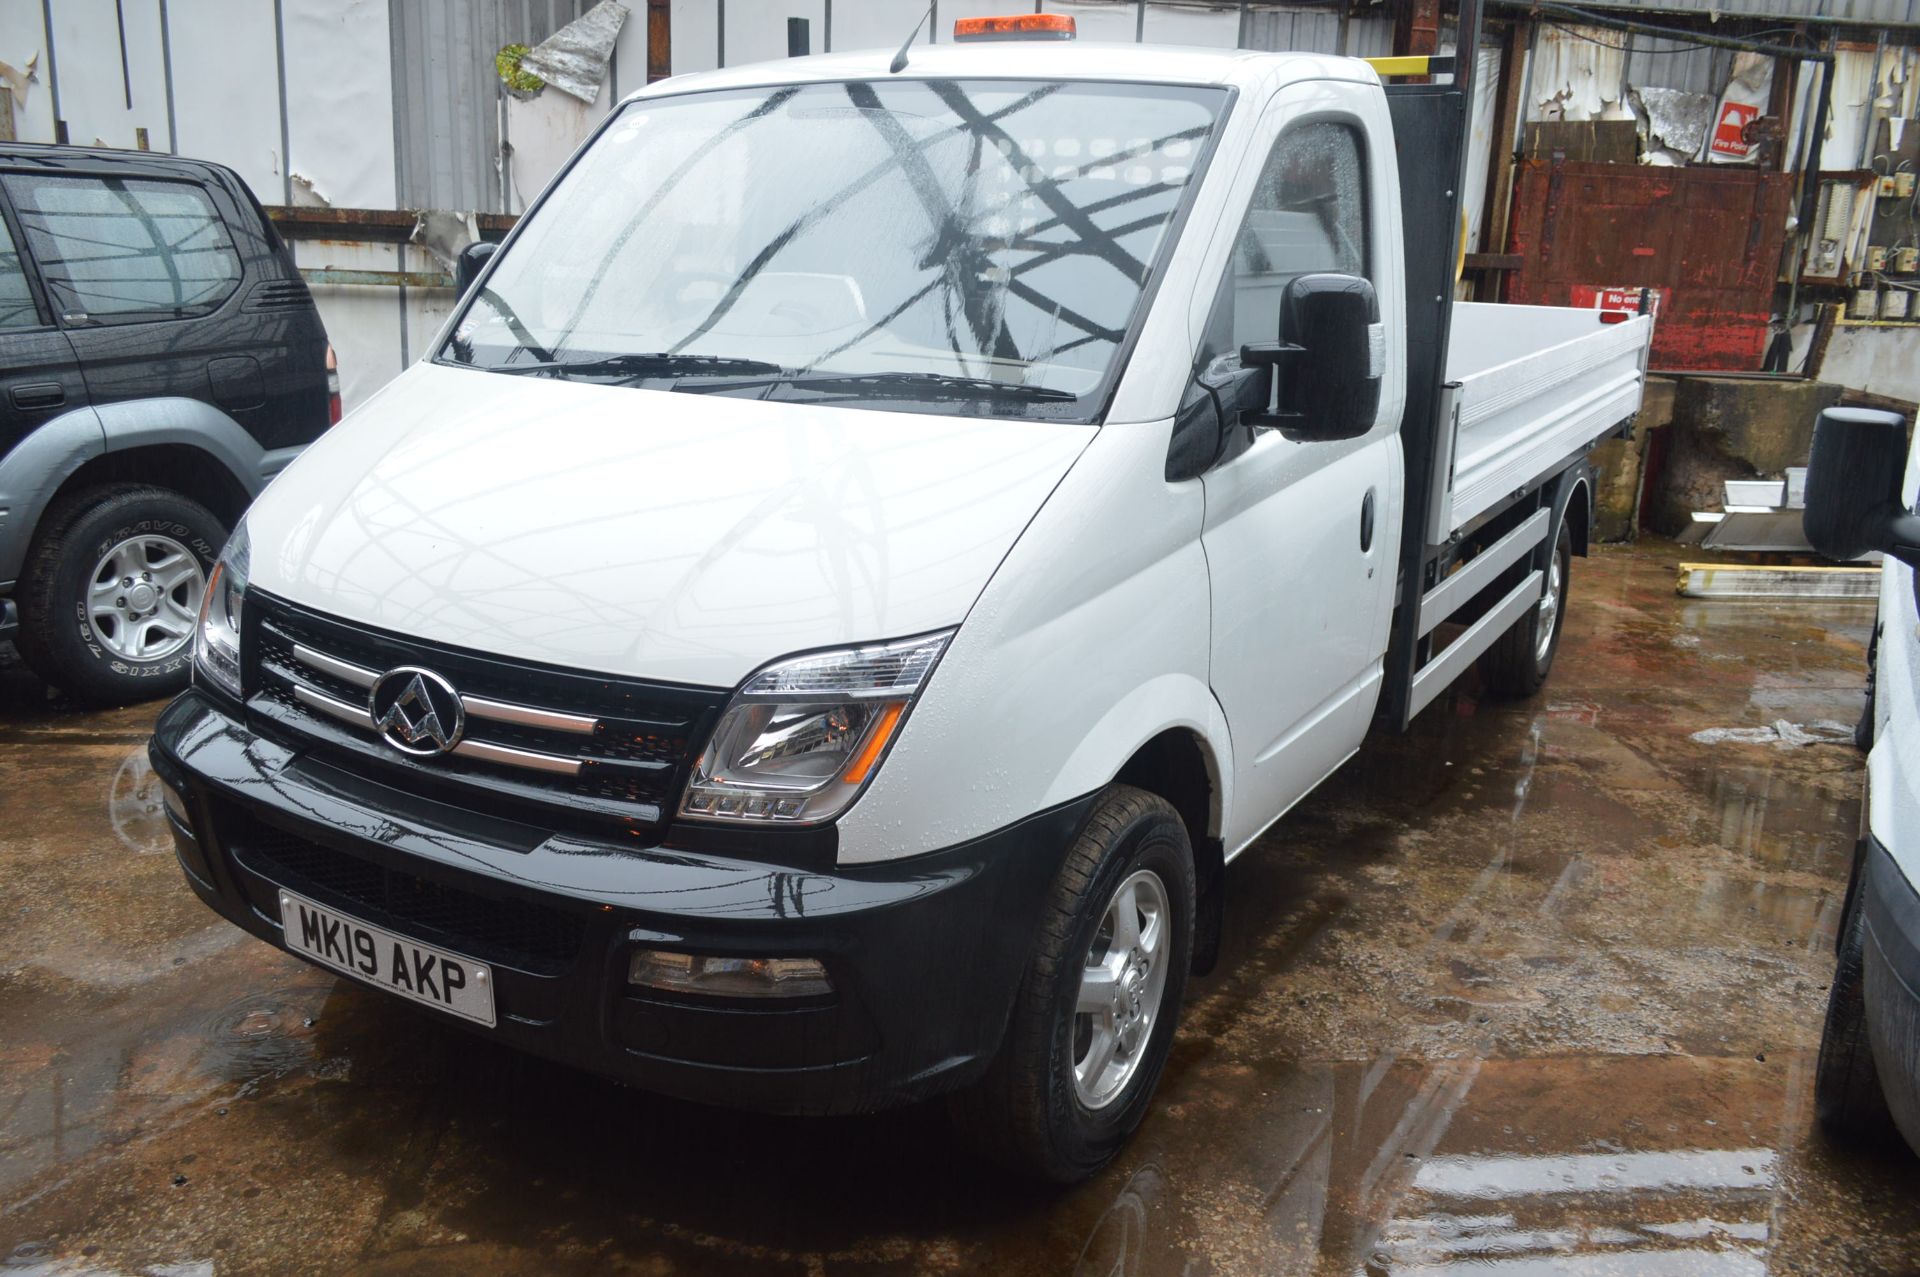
(424, 309)
(93, 92)
(872, 24)
(696, 34)
(757, 29)
(628, 69)
(226, 89)
(1210, 26)
(363, 322)
(340, 100)
(1097, 20)
(22, 36)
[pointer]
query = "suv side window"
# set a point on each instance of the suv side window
(1309, 214)
(123, 250)
(17, 310)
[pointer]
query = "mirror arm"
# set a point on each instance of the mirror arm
(1275, 355)
(1901, 538)
(1271, 354)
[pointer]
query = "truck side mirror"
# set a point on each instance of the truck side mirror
(1328, 360)
(472, 260)
(1853, 486)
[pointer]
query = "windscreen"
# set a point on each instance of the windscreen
(964, 246)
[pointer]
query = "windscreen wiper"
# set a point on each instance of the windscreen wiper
(932, 385)
(653, 364)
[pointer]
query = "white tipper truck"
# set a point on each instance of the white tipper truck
(870, 549)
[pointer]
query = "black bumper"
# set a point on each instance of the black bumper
(925, 954)
(1892, 969)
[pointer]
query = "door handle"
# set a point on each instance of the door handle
(1366, 522)
(39, 394)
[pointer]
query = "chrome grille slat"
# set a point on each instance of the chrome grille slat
(507, 756)
(529, 716)
(345, 671)
(600, 747)
(355, 714)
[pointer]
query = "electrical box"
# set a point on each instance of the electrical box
(1886, 188)
(1866, 304)
(1906, 261)
(1894, 303)
(1876, 258)
(1903, 185)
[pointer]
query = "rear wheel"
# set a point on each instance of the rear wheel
(1097, 1006)
(1519, 661)
(1847, 1099)
(112, 590)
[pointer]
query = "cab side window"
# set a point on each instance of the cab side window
(1308, 215)
(124, 250)
(17, 310)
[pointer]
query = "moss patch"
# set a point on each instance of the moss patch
(521, 82)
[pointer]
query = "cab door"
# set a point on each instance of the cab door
(39, 376)
(1301, 536)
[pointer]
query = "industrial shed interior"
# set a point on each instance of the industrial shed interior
(1616, 147)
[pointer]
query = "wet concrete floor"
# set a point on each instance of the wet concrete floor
(1535, 989)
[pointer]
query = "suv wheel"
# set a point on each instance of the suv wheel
(112, 590)
(1097, 1006)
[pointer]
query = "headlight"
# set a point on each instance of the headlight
(216, 648)
(803, 736)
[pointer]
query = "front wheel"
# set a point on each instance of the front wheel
(1847, 1099)
(1519, 661)
(112, 589)
(1097, 1006)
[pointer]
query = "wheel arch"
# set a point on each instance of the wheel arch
(1169, 738)
(1177, 765)
(1574, 503)
(192, 472)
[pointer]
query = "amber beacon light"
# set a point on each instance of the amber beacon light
(1019, 26)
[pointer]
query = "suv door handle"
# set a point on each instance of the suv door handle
(39, 394)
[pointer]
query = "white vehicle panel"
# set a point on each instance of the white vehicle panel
(1089, 641)
(1538, 384)
(1893, 767)
(681, 537)
(1300, 606)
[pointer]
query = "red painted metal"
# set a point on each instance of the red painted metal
(1707, 240)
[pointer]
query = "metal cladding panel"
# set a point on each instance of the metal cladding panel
(1708, 240)
(1316, 30)
(445, 93)
(1873, 13)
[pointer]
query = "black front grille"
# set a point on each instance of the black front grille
(526, 936)
(631, 766)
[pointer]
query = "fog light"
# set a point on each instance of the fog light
(729, 977)
(175, 804)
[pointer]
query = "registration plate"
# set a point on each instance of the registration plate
(413, 970)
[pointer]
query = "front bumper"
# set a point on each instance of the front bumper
(925, 954)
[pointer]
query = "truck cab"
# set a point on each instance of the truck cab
(872, 546)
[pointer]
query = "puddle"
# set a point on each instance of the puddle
(1533, 990)
(136, 808)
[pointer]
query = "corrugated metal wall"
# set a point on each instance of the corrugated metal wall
(446, 115)
(1866, 13)
(1316, 30)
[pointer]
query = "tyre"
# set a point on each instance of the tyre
(1519, 661)
(1847, 1100)
(112, 590)
(1097, 1005)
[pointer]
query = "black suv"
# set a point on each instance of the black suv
(160, 361)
